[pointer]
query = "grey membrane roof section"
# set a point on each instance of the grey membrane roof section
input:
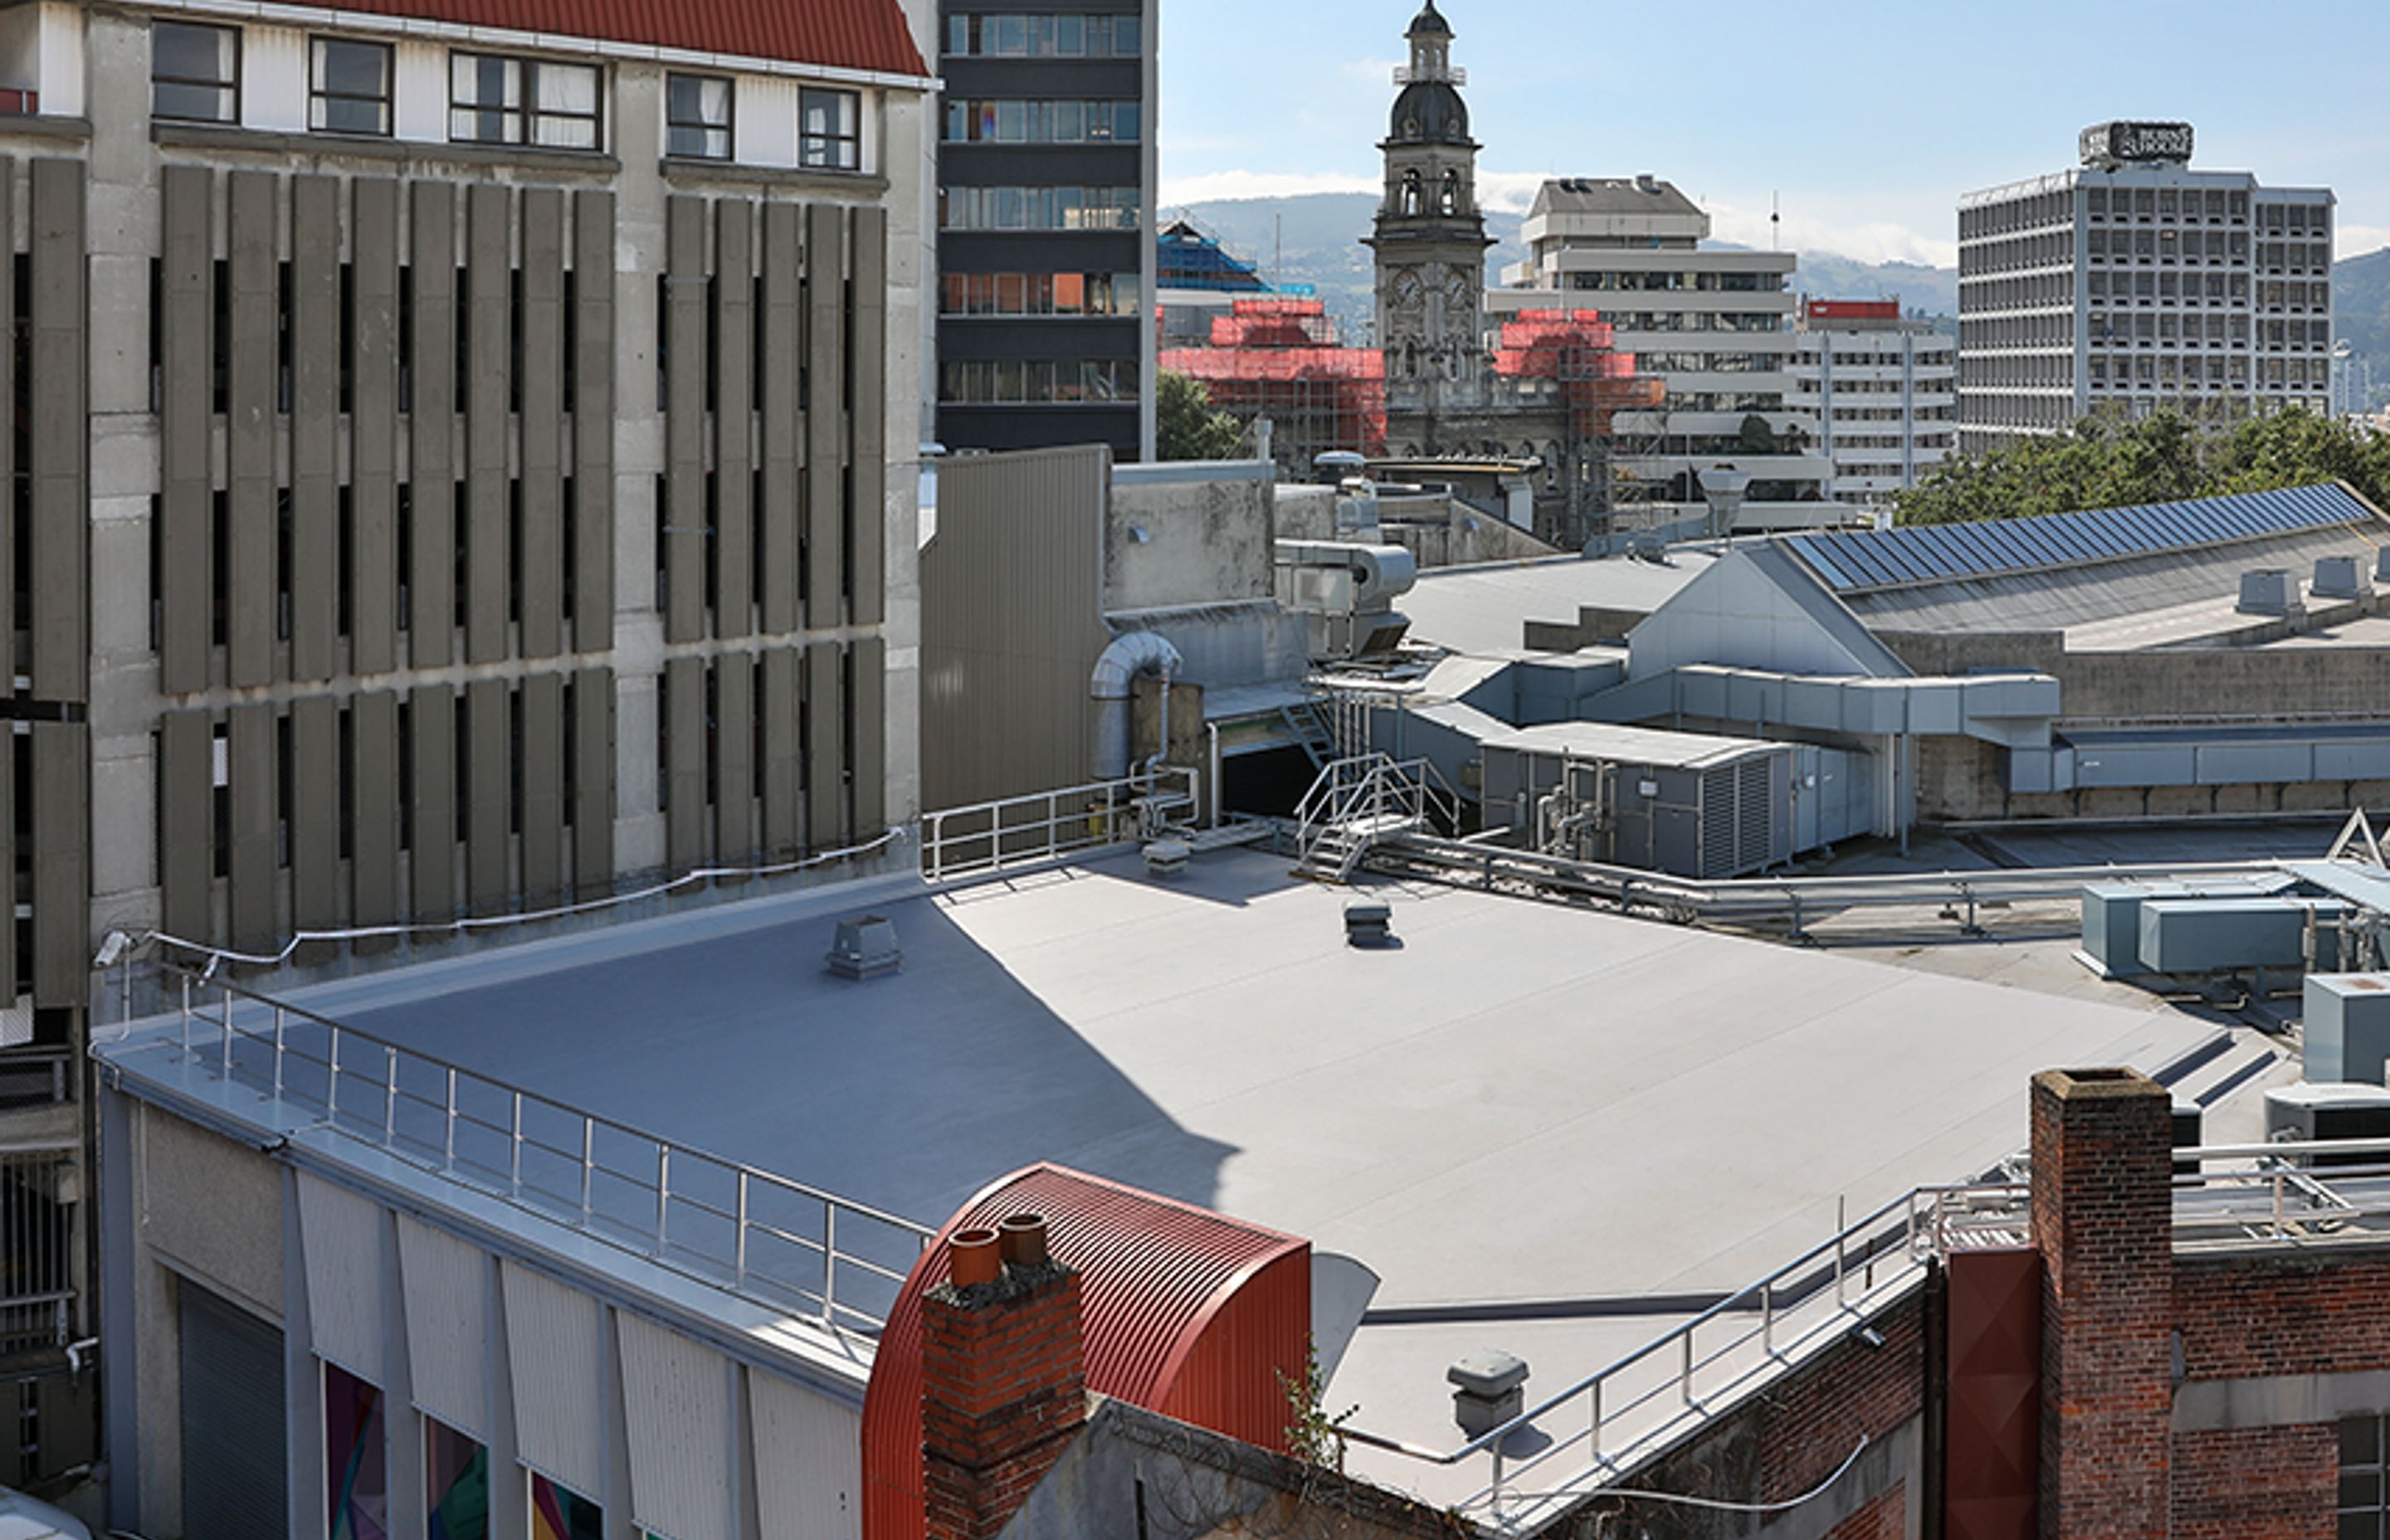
(1873, 561)
(1485, 610)
(1524, 1103)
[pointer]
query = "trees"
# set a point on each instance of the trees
(2167, 457)
(1185, 428)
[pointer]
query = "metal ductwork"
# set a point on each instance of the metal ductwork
(1139, 652)
(1348, 592)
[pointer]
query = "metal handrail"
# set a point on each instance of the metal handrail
(718, 1221)
(1895, 1239)
(1041, 828)
(1796, 898)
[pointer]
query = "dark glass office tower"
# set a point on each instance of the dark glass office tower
(1046, 184)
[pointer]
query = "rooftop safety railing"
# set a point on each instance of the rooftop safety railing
(1020, 832)
(780, 1243)
(1792, 901)
(1362, 799)
(2284, 1193)
(1605, 1423)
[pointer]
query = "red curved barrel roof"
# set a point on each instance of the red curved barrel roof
(846, 34)
(1188, 1313)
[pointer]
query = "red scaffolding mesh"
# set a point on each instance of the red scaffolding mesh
(1281, 358)
(1577, 352)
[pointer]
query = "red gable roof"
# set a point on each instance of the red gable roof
(846, 34)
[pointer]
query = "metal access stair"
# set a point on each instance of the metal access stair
(1311, 732)
(1361, 800)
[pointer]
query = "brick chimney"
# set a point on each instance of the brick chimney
(1003, 1377)
(2104, 1221)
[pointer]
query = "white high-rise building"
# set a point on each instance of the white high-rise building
(1714, 325)
(2132, 282)
(1883, 390)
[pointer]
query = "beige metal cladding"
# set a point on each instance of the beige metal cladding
(459, 346)
(1012, 624)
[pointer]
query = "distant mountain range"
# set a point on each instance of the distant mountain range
(1316, 239)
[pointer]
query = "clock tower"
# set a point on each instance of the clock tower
(1430, 239)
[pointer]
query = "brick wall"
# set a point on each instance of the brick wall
(2104, 1221)
(1884, 1519)
(1003, 1390)
(1809, 1425)
(2246, 1317)
(2270, 1484)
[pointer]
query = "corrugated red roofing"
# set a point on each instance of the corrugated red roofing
(846, 34)
(1188, 1313)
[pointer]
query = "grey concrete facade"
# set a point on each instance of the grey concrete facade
(314, 634)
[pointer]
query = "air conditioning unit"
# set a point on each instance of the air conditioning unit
(2311, 1113)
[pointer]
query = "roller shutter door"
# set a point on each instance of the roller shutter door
(234, 1437)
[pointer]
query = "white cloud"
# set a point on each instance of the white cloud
(2359, 240)
(1218, 186)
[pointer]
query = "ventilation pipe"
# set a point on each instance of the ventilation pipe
(1139, 652)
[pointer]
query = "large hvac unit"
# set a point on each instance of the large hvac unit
(1708, 808)
(2310, 1113)
(2346, 1034)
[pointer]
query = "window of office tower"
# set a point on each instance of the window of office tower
(831, 130)
(349, 86)
(499, 100)
(697, 117)
(1012, 36)
(195, 73)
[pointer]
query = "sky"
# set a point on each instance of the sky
(1867, 118)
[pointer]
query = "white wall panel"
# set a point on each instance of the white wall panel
(448, 1326)
(419, 95)
(764, 119)
(677, 1402)
(555, 1349)
(341, 1235)
(273, 79)
(62, 69)
(808, 1462)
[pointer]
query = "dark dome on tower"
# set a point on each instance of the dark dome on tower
(1430, 112)
(1430, 23)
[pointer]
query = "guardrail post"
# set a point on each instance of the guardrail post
(1687, 1385)
(588, 1161)
(278, 1037)
(1596, 1429)
(742, 1242)
(1767, 1317)
(663, 1193)
(449, 1152)
(515, 1143)
(1495, 1490)
(830, 1264)
(332, 1078)
(186, 1015)
(389, 1095)
(1842, 1242)
(227, 1031)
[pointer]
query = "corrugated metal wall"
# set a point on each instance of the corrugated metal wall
(555, 1353)
(677, 1404)
(340, 1235)
(448, 1326)
(1012, 624)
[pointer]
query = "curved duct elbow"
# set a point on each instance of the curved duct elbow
(1139, 652)
(1382, 574)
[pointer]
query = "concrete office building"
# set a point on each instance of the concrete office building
(1715, 327)
(1047, 172)
(2133, 282)
(451, 479)
(1884, 391)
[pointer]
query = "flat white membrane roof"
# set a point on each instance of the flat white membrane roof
(1522, 1105)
